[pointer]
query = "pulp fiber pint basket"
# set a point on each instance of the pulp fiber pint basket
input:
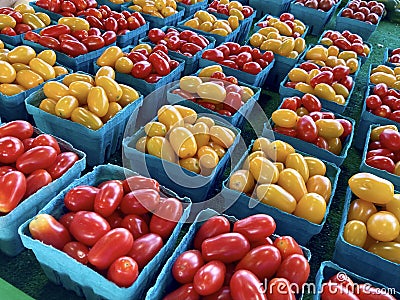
(272, 7)
(367, 263)
(184, 182)
(367, 119)
(191, 63)
(386, 55)
(156, 22)
(165, 282)
(10, 242)
(363, 29)
(395, 179)
(318, 20)
(63, 270)
(240, 205)
(314, 150)
(13, 107)
(97, 144)
(237, 120)
(191, 9)
(254, 80)
(15, 40)
(82, 63)
(132, 37)
(363, 58)
(329, 269)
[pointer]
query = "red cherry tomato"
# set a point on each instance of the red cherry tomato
(140, 202)
(108, 198)
(294, 268)
(64, 161)
(186, 266)
(381, 162)
(19, 129)
(12, 190)
(380, 90)
(141, 69)
(212, 227)
(347, 126)
(6, 169)
(159, 64)
(306, 129)
(80, 198)
(73, 48)
(311, 103)
(287, 246)
(36, 180)
(334, 291)
(10, 149)
(342, 280)
(32, 36)
(136, 225)
(40, 157)
(55, 31)
(93, 42)
(390, 139)
(123, 271)
(165, 217)
(286, 131)
(78, 251)
(255, 228)
(213, 54)
(109, 37)
(252, 67)
(226, 247)
(66, 219)
(373, 102)
(279, 289)
(155, 35)
(321, 143)
(46, 140)
(245, 285)
(209, 278)
(145, 248)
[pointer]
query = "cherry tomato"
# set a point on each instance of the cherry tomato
(12, 190)
(73, 48)
(287, 246)
(48, 230)
(36, 180)
(64, 161)
(245, 285)
(209, 278)
(108, 198)
(342, 280)
(212, 227)
(255, 228)
(380, 90)
(294, 268)
(390, 139)
(347, 126)
(186, 292)
(46, 140)
(6, 169)
(140, 201)
(160, 65)
(93, 42)
(186, 266)
(145, 248)
(66, 219)
(311, 103)
(226, 247)
(373, 102)
(141, 69)
(80, 198)
(368, 292)
(32, 36)
(123, 271)
(19, 129)
(223, 293)
(165, 217)
(252, 67)
(334, 291)
(40, 157)
(381, 162)
(213, 54)
(140, 182)
(321, 143)
(11, 148)
(306, 129)
(55, 31)
(114, 244)
(155, 35)
(136, 225)
(78, 251)
(286, 131)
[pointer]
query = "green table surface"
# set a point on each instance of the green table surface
(24, 272)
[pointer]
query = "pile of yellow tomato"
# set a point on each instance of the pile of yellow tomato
(157, 8)
(88, 101)
(181, 136)
(22, 69)
(387, 75)
(373, 218)
(282, 178)
(331, 56)
(204, 21)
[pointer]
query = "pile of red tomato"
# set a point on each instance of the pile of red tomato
(346, 41)
(27, 163)
(185, 42)
(67, 8)
(384, 102)
(230, 8)
(302, 118)
(235, 264)
(244, 58)
(72, 42)
(115, 228)
(368, 12)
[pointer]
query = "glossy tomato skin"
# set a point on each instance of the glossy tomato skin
(145, 248)
(368, 292)
(108, 198)
(209, 278)
(165, 217)
(334, 291)
(294, 268)
(306, 129)
(226, 247)
(12, 190)
(46, 140)
(66, 219)
(245, 285)
(262, 261)
(140, 201)
(64, 161)
(347, 126)
(224, 293)
(19, 129)
(47, 229)
(311, 103)
(81, 198)
(10, 149)
(287, 246)
(381, 162)
(186, 266)
(77, 250)
(390, 139)
(255, 228)
(123, 271)
(136, 225)
(88, 227)
(212, 227)
(115, 243)
(55, 31)
(186, 292)
(40, 157)
(6, 169)
(36, 180)
(73, 48)
(279, 289)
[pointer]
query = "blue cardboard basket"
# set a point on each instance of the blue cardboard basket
(272, 7)
(82, 63)
(142, 85)
(312, 149)
(53, 16)
(219, 39)
(319, 18)
(381, 173)
(366, 120)
(329, 269)
(240, 205)
(237, 120)
(156, 22)
(165, 282)
(97, 144)
(184, 182)
(245, 26)
(363, 58)
(254, 80)
(363, 29)
(282, 67)
(386, 61)
(132, 37)
(10, 242)
(63, 270)
(15, 40)
(367, 263)
(191, 63)
(191, 9)
(13, 107)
